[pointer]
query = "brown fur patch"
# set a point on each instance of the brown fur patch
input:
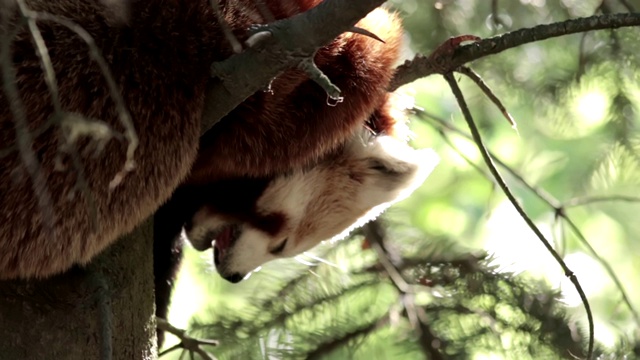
(159, 61)
(160, 54)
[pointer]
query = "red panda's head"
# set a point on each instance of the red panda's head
(334, 177)
(295, 212)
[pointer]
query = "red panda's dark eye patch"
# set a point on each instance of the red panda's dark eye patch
(280, 248)
(380, 166)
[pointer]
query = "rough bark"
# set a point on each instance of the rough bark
(103, 311)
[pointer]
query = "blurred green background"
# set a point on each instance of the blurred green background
(576, 103)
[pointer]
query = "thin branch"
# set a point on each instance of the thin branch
(430, 343)
(586, 200)
(488, 160)
(625, 298)
(422, 66)
(540, 193)
(470, 162)
(559, 209)
(487, 91)
(59, 116)
(114, 92)
(24, 138)
(374, 232)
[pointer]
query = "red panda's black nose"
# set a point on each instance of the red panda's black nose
(234, 278)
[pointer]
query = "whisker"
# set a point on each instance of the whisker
(304, 262)
(314, 257)
(247, 276)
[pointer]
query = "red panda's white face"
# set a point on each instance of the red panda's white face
(300, 210)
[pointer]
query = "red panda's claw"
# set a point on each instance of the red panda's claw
(365, 32)
(451, 44)
(445, 51)
(457, 40)
(257, 28)
(315, 74)
(258, 33)
(257, 38)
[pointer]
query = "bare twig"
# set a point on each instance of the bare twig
(59, 116)
(470, 162)
(24, 138)
(625, 298)
(375, 234)
(586, 200)
(487, 91)
(422, 66)
(123, 113)
(558, 208)
(496, 174)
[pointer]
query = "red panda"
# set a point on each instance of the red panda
(249, 221)
(244, 170)
(296, 212)
(159, 53)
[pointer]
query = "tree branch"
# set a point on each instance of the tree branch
(422, 66)
(431, 345)
(475, 133)
(559, 208)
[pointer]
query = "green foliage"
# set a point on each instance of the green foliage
(462, 302)
(576, 100)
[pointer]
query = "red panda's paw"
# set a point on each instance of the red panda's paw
(296, 212)
(295, 124)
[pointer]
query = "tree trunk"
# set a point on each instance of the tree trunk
(103, 311)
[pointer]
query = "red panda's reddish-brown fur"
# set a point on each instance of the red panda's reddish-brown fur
(294, 124)
(160, 52)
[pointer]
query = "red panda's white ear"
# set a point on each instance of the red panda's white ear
(398, 169)
(390, 171)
